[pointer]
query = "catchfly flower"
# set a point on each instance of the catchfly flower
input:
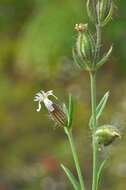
(57, 114)
(42, 96)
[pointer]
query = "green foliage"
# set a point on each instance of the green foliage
(100, 171)
(69, 112)
(71, 177)
(100, 108)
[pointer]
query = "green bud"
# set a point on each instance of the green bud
(84, 51)
(105, 11)
(101, 11)
(91, 10)
(106, 134)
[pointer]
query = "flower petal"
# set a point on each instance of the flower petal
(39, 107)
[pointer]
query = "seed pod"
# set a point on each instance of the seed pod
(106, 134)
(85, 47)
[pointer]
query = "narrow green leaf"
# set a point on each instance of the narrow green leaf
(70, 111)
(100, 171)
(71, 177)
(65, 110)
(100, 107)
(105, 58)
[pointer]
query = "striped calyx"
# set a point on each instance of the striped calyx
(84, 51)
(58, 115)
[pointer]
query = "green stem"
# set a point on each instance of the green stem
(93, 98)
(94, 143)
(75, 157)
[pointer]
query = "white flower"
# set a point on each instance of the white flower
(43, 97)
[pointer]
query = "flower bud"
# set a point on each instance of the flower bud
(106, 134)
(56, 113)
(85, 47)
(101, 11)
(91, 10)
(105, 11)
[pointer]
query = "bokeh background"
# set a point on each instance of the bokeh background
(36, 38)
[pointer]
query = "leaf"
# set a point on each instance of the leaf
(105, 58)
(65, 110)
(71, 177)
(100, 107)
(70, 111)
(100, 171)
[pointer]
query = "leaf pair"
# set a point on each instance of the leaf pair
(100, 108)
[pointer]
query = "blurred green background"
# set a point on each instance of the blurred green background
(36, 38)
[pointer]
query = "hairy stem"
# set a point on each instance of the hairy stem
(75, 157)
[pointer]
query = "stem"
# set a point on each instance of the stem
(93, 97)
(94, 142)
(75, 157)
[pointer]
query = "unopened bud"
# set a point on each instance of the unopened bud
(106, 134)
(91, 10)
(100, 12)
(105, 11)
(85, 46)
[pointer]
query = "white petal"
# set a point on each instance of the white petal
(50, 93)
(42, 92)
(39, 107)
(36, 100)
(39, 94)
(54, 96)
